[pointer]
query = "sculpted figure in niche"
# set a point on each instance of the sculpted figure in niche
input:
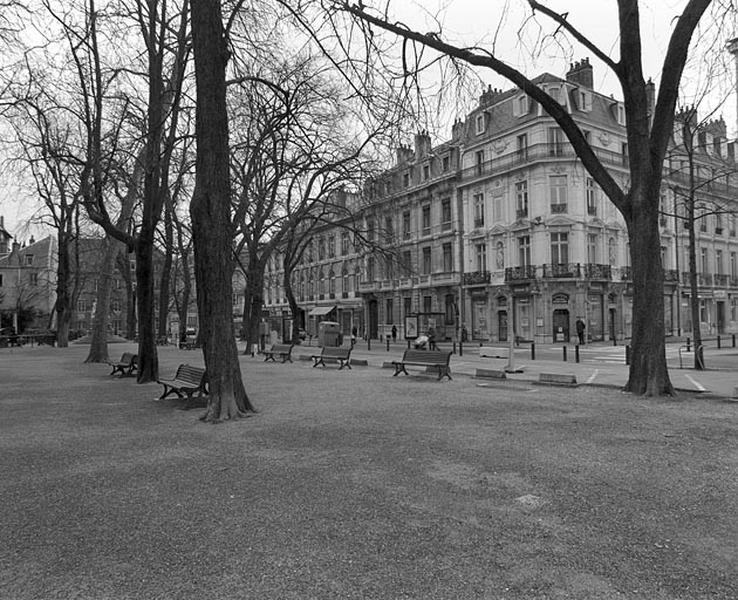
(500, 255)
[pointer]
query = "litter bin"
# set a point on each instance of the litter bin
(328, 333)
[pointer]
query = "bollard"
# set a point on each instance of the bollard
(627, 354)
(408, 344)
(688, 346)
(564, 353)
(387, 344)
(454, 347)
(461, 348)
(532, 350)
(576, 353)
(734, 340)
(614, 341)
(718, 342)
(368, 344)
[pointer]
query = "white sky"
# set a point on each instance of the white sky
(498, 22)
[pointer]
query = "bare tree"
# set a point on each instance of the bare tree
(649, 128)
(212, 228)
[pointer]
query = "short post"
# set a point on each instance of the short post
(408, 344)
(627, 354)
(718, 340)
(453, 347)
(734, 340)
(532, 350)
(461, 348)
(564, 348)
(688, 346)
(387, 344)
(368, 344)
(576, 353)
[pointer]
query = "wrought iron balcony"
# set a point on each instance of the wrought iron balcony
(477, 278)
(592, 211)
(557, 209)
(521, 273)
(521, 213)
(562, 271)
(626, 274)
(671, 275)
(721, 279)
(478, 222)
(595, 271)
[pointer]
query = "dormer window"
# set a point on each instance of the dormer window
(480, 123)
(584, 100)
(520, 106)
(406, 179)
(29, 260)
(426, 172)
(620, 113)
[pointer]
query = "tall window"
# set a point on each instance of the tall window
(733, 265)
(448, 258)
(480, 123)
(426, 172)
(446, 214)
(345, 242)
(555, 141)
(719, 262)
(591, 197)
(332, 284)
(370, 229)
(478, 210)
(321, 248)
(559, 248)
(592, 248)
(522, 148)
(427, 303)
(331, 246)
(406, 224)
(388, 311)
(426, 260)
(426, 219)
(521, 195)
(407, 307)
(481, 256)
(558, 189)
(524, 250)
(479, 161)
(407, 261)
(389, 231)
(370, 268)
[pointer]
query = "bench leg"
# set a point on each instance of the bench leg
(399, 368)
(444, 372)
(318, 362)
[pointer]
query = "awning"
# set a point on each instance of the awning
(321, 310)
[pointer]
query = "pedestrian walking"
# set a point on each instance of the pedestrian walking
(580, 330)
(394, 334)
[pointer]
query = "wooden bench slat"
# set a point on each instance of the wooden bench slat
(127, 364)
(333, 354)
(424, 358)
(186, 381)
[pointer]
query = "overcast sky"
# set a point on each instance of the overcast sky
(497, 23)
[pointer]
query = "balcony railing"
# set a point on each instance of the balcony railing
(520, 273)
(671, 275)
(626, 274)
(721, 279)
(522, 213)
(477, 278)
(478, 222)
(595, 271)
(562, 271)
(704, 279)
(557, 209)
(592, 211)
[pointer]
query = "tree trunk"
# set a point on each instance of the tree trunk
(166, 271)
(648, 372)
(148, 360)
(62, 305)
(212, 229)
(294, 308)
(99, 341)
(253, 300)
(694, 299)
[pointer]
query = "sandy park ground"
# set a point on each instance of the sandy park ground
(355, 484)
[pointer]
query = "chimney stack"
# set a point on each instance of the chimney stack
(581, 73)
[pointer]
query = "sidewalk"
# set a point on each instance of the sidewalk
(600, 364)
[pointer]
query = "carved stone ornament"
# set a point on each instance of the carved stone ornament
(499, 146)
(605, 138)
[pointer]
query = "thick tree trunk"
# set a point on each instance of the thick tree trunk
(99, 341)
(294, 308)
(148, 359)
(694, 299)
(212, 229)
(648, 372)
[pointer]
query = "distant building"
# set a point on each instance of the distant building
(502, 223)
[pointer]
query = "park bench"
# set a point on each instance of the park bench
(186, 382)
(284, 351)
(341, 356)
(127, 364)
(433, 359)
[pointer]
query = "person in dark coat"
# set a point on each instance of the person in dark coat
(580, 330)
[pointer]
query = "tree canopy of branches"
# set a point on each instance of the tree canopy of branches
(649, 127)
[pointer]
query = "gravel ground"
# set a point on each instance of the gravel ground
(355, 484)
